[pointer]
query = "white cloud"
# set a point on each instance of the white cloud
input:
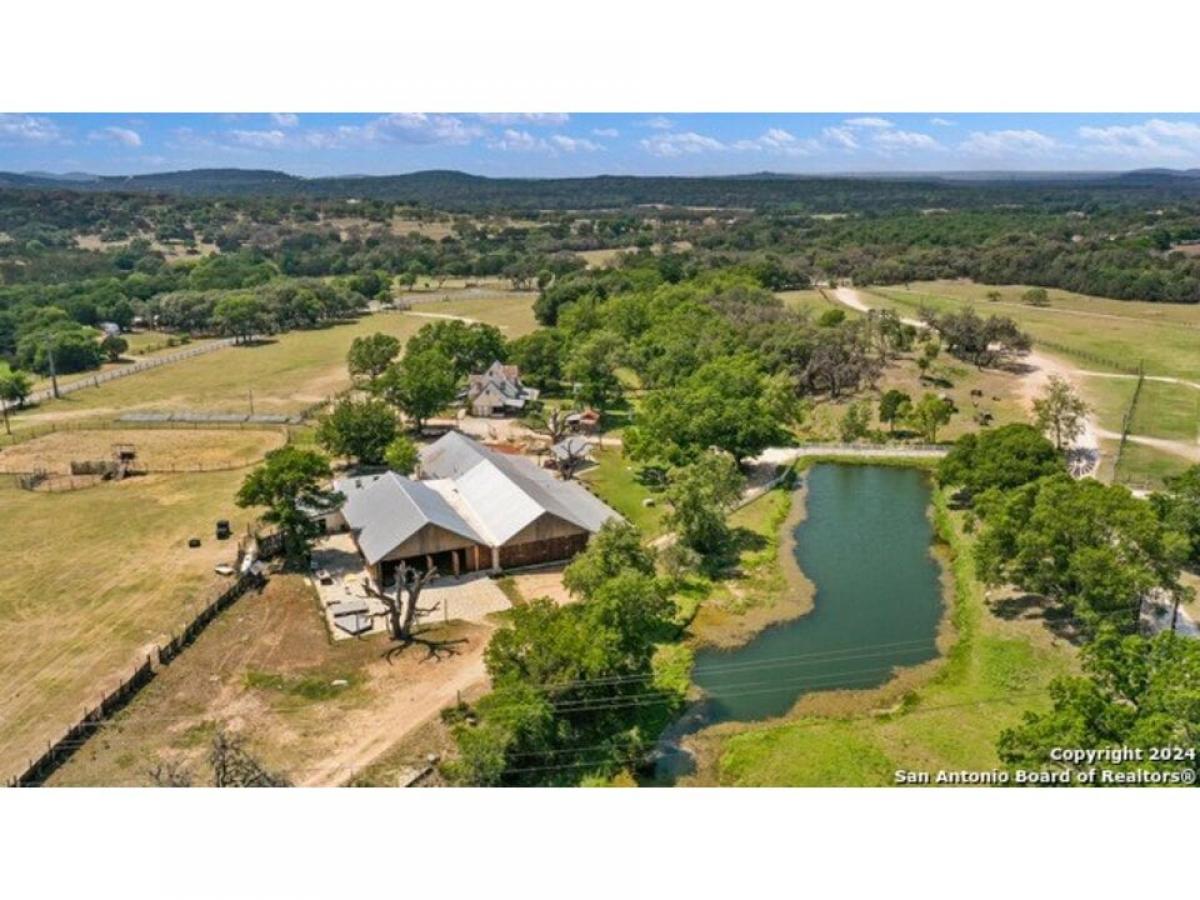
(523, 118)
(512, 139)
(573, 144)
(1154, 138)
(868, 122)
(28, 129)
(658, 123)
(945, 123)
(840, 137)
(777, 140)
(285, 120)
(422, 128)
(260, 139)
(673, 144)
(1008, 142)
(606, 132)
(893, 139)
(523, 141)
(403, 128)
(126, 136)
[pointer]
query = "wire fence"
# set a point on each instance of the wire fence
(144, 365)
(38, 769)
(1094, 358)
(1119, 475)
(142, 424)
(90, 473)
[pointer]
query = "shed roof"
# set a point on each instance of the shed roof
(389, 509)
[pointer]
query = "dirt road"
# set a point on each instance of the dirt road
(376, 730)
(1041, 367)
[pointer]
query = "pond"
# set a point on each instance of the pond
(865, 544)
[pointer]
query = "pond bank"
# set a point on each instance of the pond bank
(872, 619)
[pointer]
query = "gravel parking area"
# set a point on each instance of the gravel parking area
(340, 579)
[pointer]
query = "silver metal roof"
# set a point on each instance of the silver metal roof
(507, 493)
(386, 510)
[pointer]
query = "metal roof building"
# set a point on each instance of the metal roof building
(473, 509)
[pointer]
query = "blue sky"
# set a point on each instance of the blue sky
(554, 144)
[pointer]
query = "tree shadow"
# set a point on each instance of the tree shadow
(437, 650)
(1058, 620)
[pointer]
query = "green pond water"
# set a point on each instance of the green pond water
(865, 544)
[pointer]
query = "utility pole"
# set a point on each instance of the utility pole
(251, 395)
(53, 371)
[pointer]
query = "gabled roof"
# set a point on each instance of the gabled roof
(389, 509)
(505, 493)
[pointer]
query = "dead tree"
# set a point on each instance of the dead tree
(552, 425)
(402, 608)
(170, 774)
(233, 767)
(571, 454)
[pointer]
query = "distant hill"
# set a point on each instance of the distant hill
(459, 191)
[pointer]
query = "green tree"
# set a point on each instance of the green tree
(701, 495)
(291, 484)
(539, 355)
(1060, 411)
(855, 423)
(1036, 297)
(113, 346)
(362, 430)
(726, 403)
(420, 385)
(14, 389)
(1001, 459)
(15, 386)
(592, 365)
(242, 316)
(831, 318)
(402, 455)
(617, 546)
(370, 355)
(929, 414)
(894, 406)
(1134, 693)
(470, 347)
(1092, 548)
(1177, 505)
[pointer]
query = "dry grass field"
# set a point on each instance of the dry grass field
(266, 669)
(285, 375)
(157, 448)
(105, 573)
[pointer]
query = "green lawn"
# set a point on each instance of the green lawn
(812, 301)
(1167, 411)
(1145, 468)
(1166, 336)
(995, 671)
(613, 479)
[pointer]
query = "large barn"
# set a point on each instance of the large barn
(472, 509)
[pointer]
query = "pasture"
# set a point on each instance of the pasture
(284, 375)
(105, 573)
(157, 449)
(1165, 335)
